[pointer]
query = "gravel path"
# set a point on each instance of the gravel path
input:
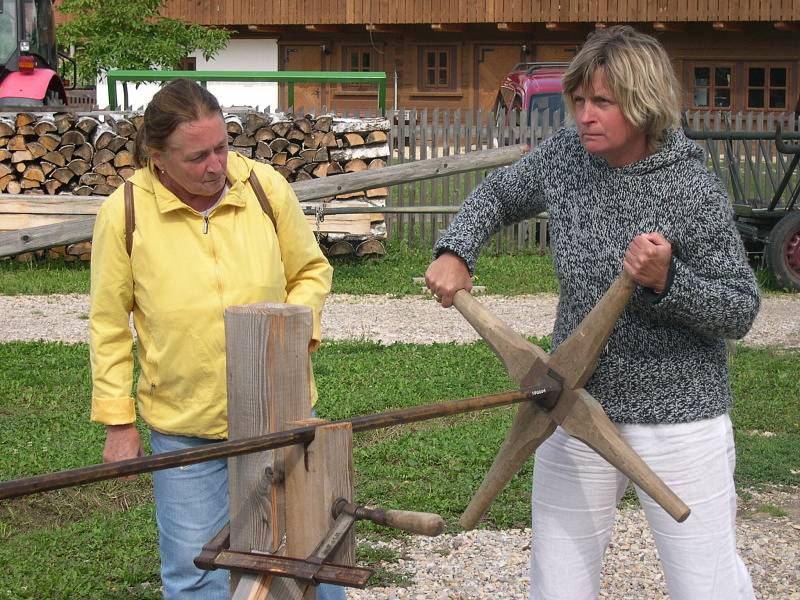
(385, 319)
(494, 564)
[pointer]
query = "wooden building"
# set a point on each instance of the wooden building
(730, 55)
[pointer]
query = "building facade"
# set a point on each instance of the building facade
(732, 56)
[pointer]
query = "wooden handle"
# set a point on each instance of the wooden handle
(576, 357)
(588, 422)
(517, 353)
(530, 428)
(420, 523)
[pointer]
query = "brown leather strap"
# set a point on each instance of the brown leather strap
(262, 199)
(130, 217)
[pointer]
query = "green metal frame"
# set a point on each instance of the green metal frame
(288, 77)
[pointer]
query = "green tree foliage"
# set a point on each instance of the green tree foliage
(131, 34)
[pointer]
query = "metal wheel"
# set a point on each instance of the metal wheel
(783, 251)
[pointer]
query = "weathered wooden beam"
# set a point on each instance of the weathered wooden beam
(727, 26)
(565, 27)
(45, 236)
(11, 204)
(787, 26)
(407, 172)
(318, 28)
(37, 238)
(517, 27)
(449, 27)
(267, 29)
(380, 28)
(665, 26)
(268, 387)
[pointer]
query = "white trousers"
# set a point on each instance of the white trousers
(575, 493)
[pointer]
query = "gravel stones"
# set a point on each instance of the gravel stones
(493, 565)
(384, 319)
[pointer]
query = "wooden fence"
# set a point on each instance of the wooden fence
(421, 134)
(82, 99)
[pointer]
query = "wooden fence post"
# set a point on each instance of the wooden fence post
(268, 386)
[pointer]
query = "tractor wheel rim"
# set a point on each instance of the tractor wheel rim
(792, 253)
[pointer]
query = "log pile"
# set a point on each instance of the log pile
(91, 154)
(53, 153)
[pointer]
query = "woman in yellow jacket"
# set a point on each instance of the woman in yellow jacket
(201, 243)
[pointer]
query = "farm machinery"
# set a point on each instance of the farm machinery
(29, 56)
(768, 224)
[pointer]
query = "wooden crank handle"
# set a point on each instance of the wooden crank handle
(530, 428)
(588, 422)
(516, 353)
(421, 523)
(575, 359)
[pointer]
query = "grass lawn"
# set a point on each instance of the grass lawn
(98, 541)
(503, 274)
(526, 273)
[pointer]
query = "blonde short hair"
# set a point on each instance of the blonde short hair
(638, 73)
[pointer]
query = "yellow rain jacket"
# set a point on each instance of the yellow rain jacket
(184, 270)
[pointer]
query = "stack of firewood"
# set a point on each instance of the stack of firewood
(305, 148)
(92, 154)
(63, 152)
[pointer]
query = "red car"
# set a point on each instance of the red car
(532, 86)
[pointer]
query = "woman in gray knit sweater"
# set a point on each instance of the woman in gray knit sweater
(625, 189)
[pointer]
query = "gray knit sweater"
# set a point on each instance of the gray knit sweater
(666, 360)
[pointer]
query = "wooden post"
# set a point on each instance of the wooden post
(268, 386)
(316, 475)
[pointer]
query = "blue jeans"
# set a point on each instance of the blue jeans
(191, 507)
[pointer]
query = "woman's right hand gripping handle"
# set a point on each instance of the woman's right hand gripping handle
(445, 276)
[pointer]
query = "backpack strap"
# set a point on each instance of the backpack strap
(130, 214)
(262, 199)
(130, 217)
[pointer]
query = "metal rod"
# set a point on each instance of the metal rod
(61, 479)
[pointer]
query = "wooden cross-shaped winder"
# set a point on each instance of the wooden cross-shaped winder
(555, 383)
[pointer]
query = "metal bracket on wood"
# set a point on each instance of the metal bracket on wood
(315, 569)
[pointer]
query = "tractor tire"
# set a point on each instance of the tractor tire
(783, 251)
(52, 98)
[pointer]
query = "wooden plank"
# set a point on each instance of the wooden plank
(49, 205)
(316, 475)
(14, 222)
(357, 224)
(268, 386)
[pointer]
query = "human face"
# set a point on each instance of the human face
(603, 128)
(196, 157)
